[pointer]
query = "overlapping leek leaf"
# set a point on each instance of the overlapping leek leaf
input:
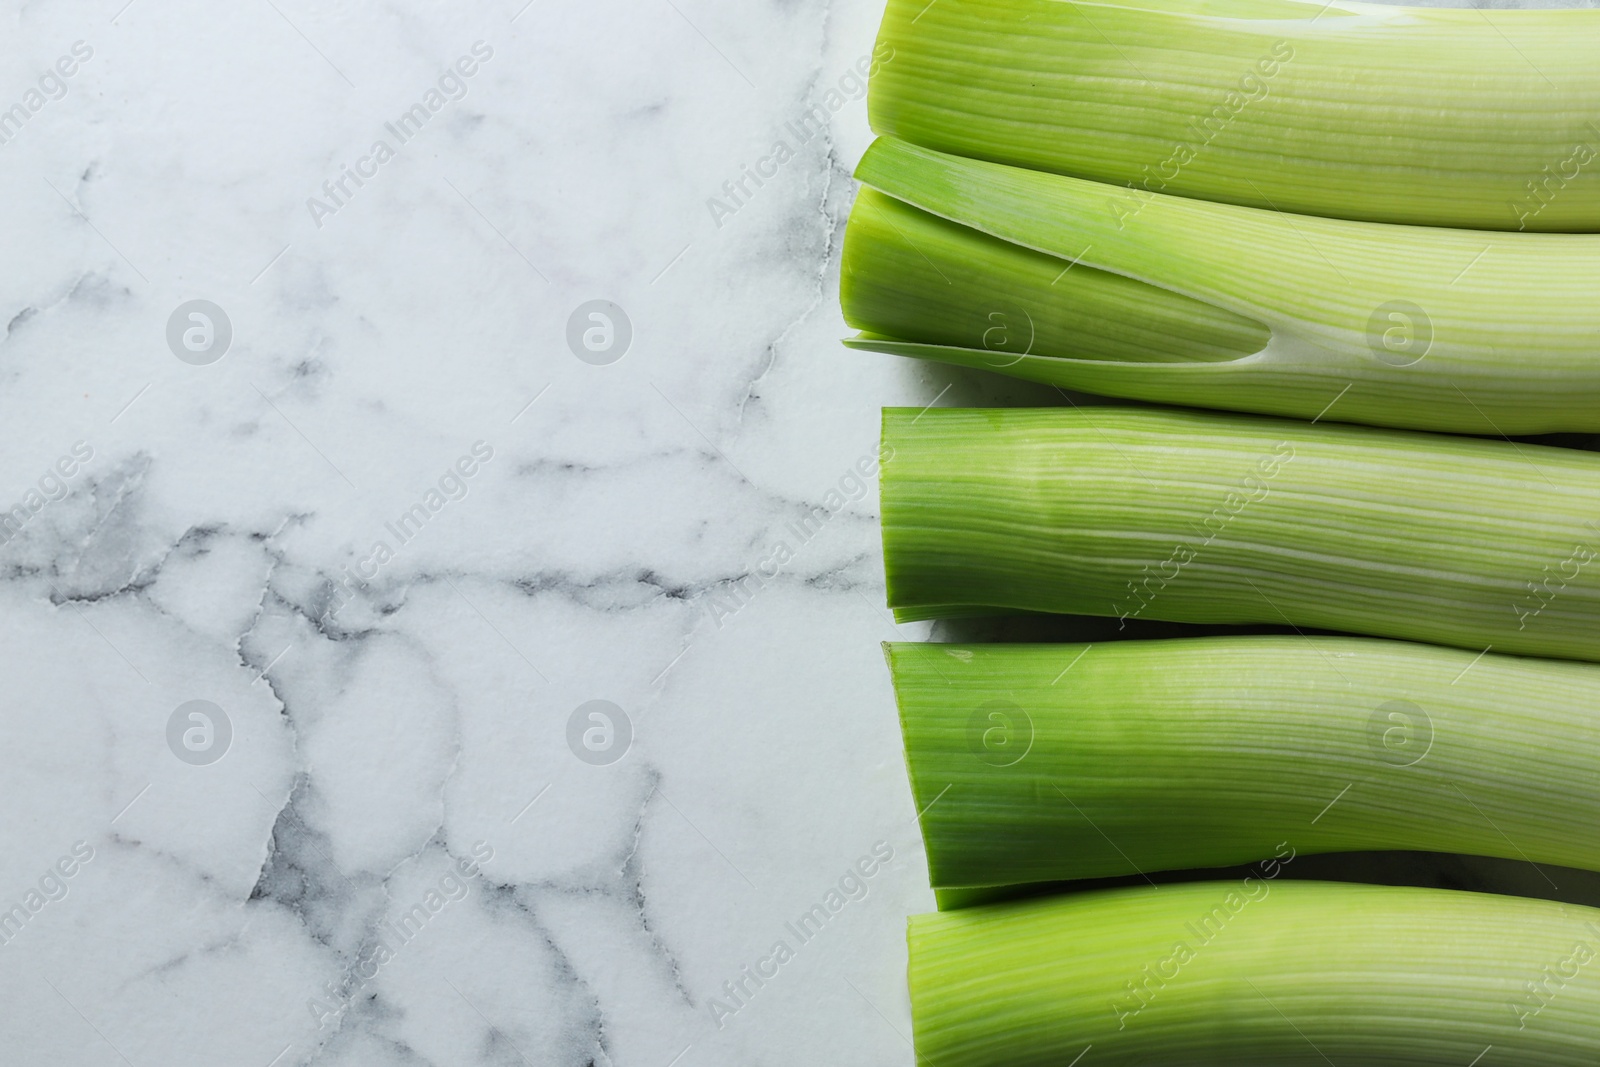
(915, 277)
(1194, 517)
(1468, 118)
(1035, 763)
(1042, 277)
(1258, 972)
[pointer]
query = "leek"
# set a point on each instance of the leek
(1258, 972)
(1036, 763)
(1203, 518)
(915, 277)
(1214, 305)
(1393, 114)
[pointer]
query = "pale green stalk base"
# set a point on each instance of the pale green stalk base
(1189, 517)
(1035, 763)
(1214, 305)
(1393, 114)
(1225, 974)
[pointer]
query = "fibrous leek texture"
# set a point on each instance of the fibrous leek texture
(1036, 763)
(1258, 972)
(1191, 517)
(1043, 277)
(1469, 118)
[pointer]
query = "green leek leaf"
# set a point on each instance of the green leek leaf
(1039, 276)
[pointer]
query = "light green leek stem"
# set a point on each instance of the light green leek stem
(1227, 519)
(1483, 119)
(1036, 763)
(1259, 972)
(1223, 306)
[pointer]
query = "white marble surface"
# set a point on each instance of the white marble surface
(243, 911)
(193, 555)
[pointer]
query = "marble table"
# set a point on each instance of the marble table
(334, 525)
(442, 594)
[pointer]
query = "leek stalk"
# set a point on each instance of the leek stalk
(1469, 118)
(1213, 305)
(1297, 974)
(1035, 763)
(1191, 517)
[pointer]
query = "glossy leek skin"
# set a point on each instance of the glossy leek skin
(1190, 517)
(1427, 116)
(1042, 763)
(1180, 301)
(1258, 972)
